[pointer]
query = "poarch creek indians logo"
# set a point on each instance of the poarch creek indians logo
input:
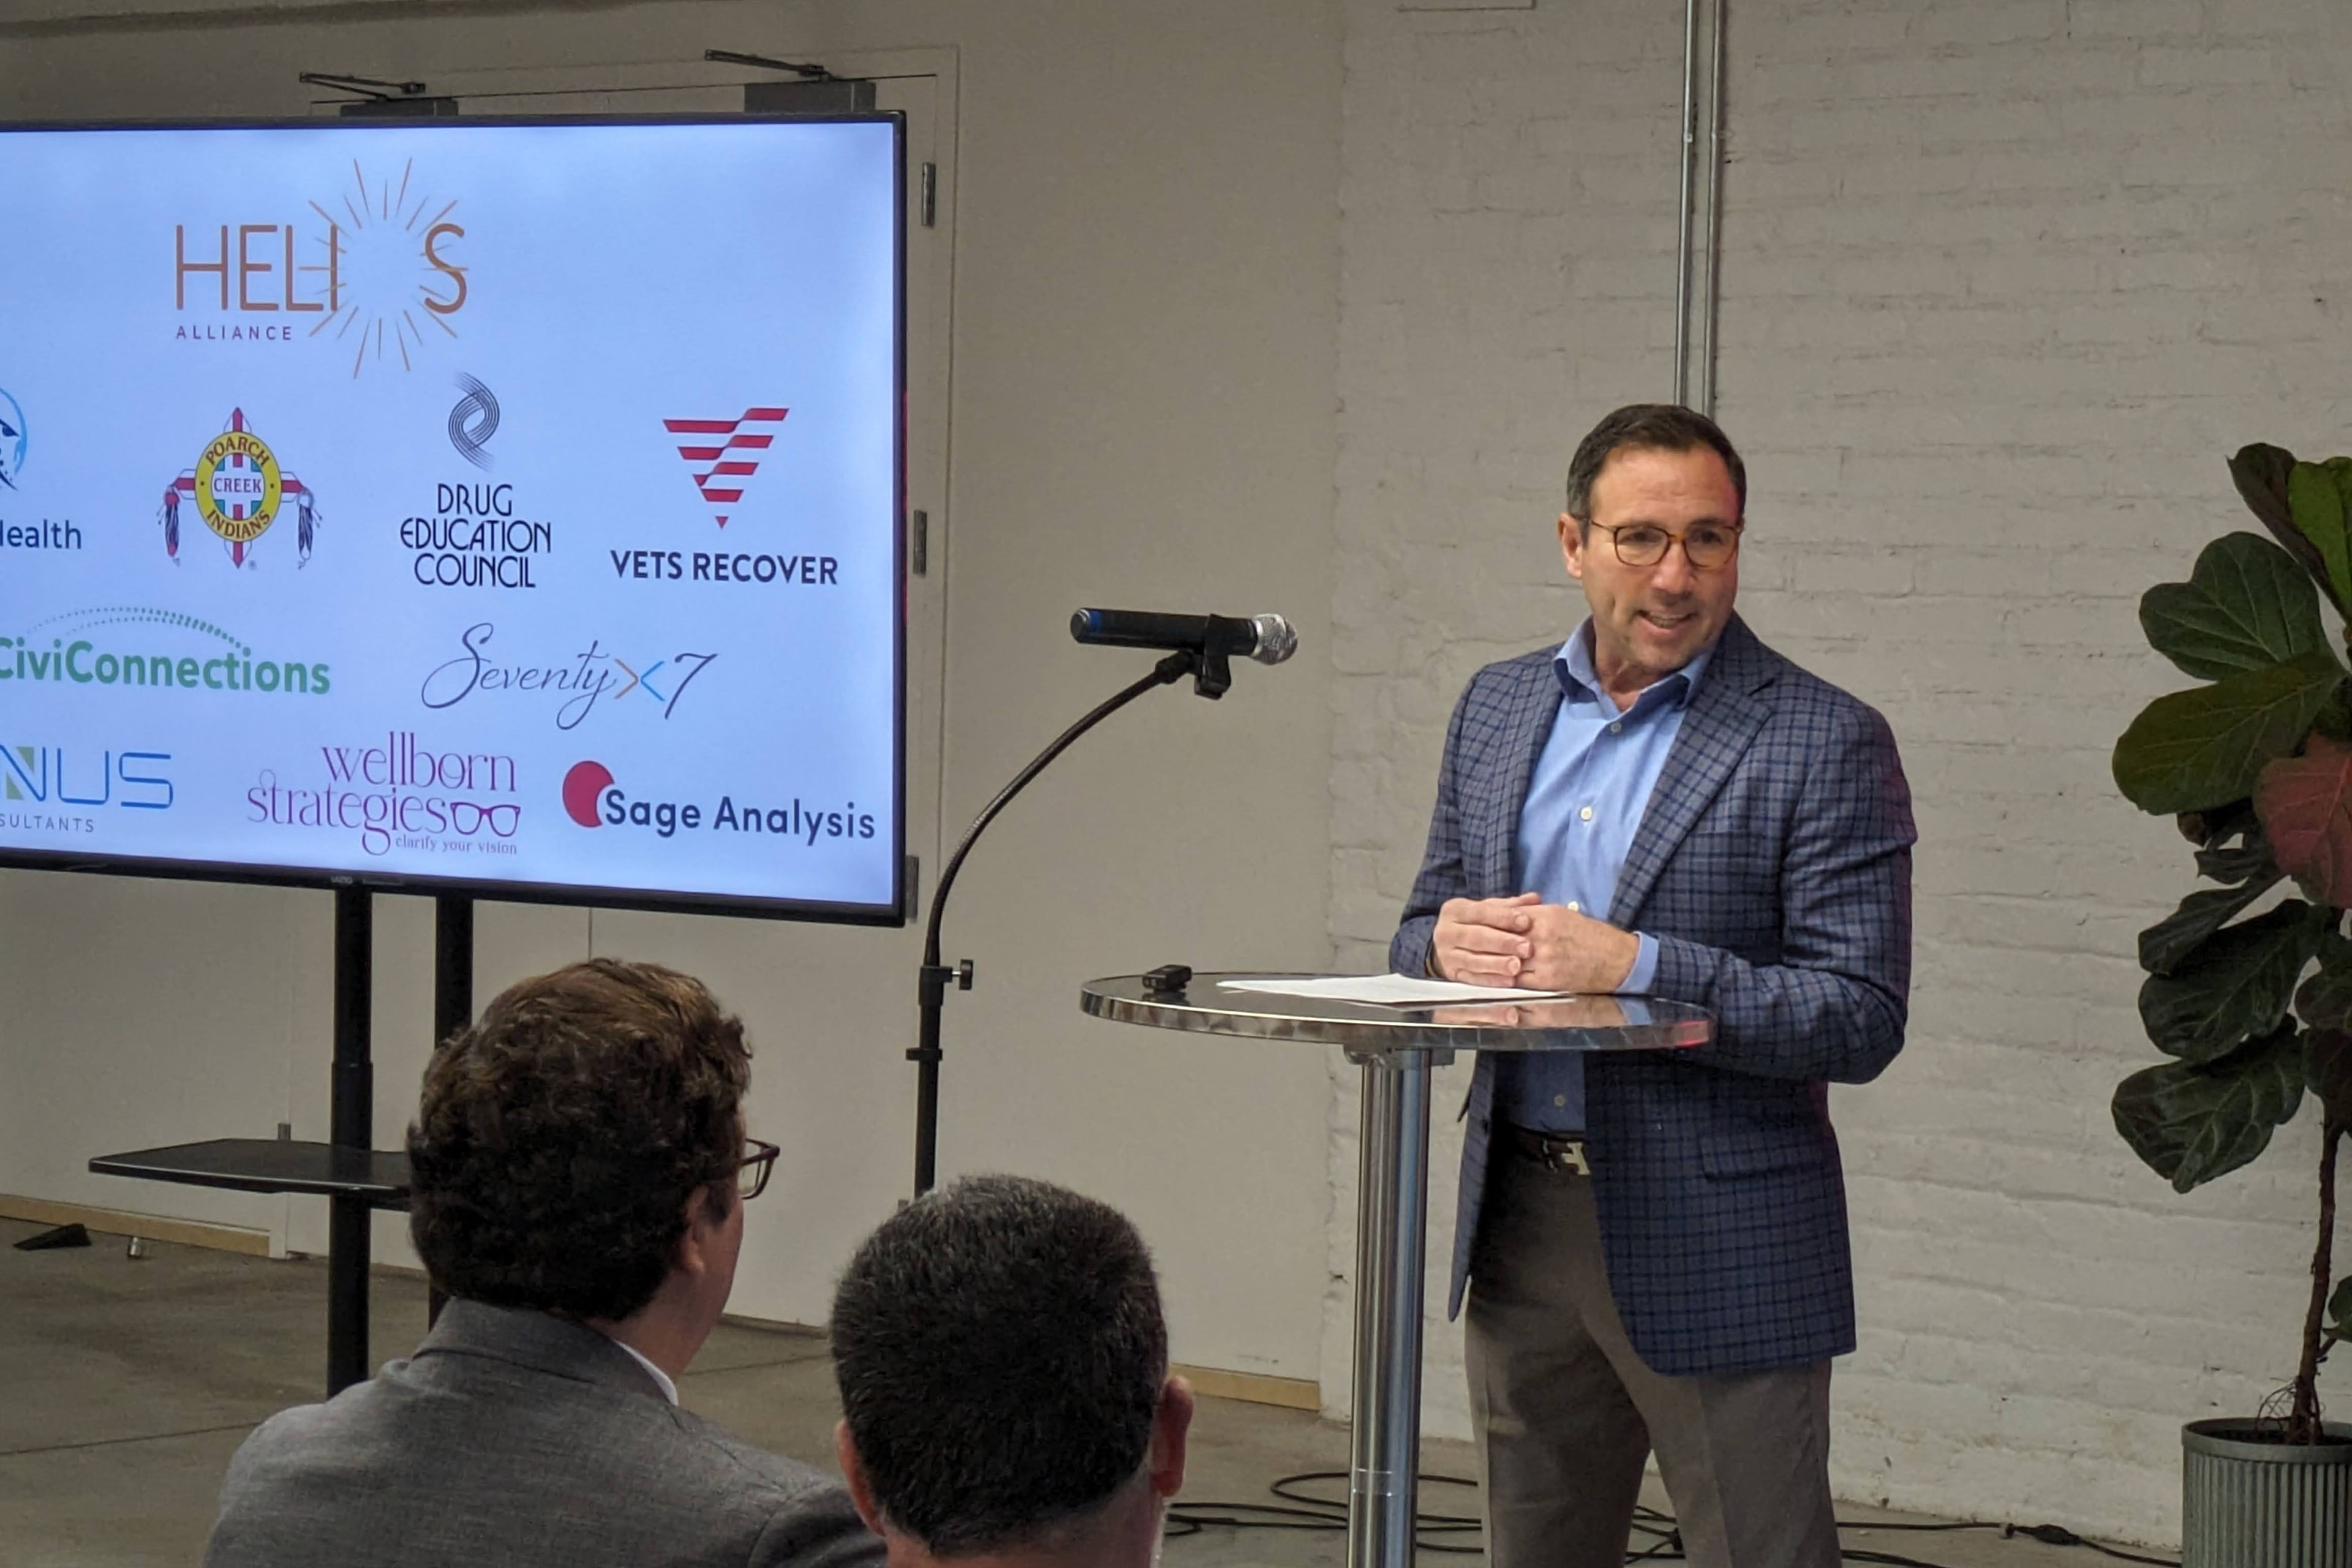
(370, 264)
(237, 489)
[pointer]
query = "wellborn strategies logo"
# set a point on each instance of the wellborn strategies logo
(593, 798)
(475, 535)
(721, 457)
(568, 687)
(62, 792)
(397, 794)
(15, 450)
(237, 489)
(363, 271)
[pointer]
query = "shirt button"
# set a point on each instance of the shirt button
(1573, 906)
(1585, 814)
(1616, 728)
(1560, 1100)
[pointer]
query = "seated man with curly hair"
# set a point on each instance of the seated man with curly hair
(580, 1173)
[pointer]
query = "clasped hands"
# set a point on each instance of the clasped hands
(1526, 942)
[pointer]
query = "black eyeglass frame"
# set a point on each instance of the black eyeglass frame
(760, 1158)
(1613, 530)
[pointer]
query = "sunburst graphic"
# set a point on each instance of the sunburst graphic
(392, 268)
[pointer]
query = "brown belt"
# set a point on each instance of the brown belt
(1553, 1151)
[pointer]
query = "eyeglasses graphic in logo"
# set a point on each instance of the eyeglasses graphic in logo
(583, 792)
(718, 453)
(13, 443)
(238, 488)
(473, 422)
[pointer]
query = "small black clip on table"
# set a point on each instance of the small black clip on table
(355, 1178)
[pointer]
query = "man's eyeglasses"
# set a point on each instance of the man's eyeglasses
(752, 1175)
(1706, 545)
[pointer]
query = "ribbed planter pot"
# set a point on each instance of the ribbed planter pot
(2245, 1503)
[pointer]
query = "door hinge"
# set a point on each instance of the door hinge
(930, 195)
(919, 544)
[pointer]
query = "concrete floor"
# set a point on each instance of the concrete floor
(125, 1385)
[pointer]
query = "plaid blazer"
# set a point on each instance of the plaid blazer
(1773, 866)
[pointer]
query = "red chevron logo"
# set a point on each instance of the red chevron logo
(719, 453)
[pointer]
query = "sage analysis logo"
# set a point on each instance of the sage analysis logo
(572, 685)
(398, 793)
(593, 798)
(364, 269)
(473, 422)
(144, 646)
(87, 777)
(14, 443)
(719, 453)
(238, 488)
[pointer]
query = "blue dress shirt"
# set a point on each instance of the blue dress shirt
(1585, 803)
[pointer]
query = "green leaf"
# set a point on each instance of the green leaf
(2339, 1310)
(2328, 1069)
(2214, 826)
(2324, 1001)
(2250, 859)
(2305, 805)
(2236, 986)
(2191, 1124)
(2164, 946)
(2260, 473)
(2316, 504)
(2247, 605)
(2196, 750)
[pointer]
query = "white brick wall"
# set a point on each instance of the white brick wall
(2004, 284)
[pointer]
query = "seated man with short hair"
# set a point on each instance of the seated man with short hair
(1003, 1373)
(580, 1172)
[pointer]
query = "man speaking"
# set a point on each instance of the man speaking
(1654, 1246)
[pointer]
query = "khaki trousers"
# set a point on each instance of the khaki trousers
(1567, 1413)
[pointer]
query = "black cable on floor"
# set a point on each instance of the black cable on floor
(1305, 1510)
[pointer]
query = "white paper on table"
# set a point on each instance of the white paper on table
(1389, 990)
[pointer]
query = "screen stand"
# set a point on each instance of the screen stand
(352, 1125)
(453, 1003)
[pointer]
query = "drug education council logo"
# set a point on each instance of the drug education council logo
(238, 487)
(474, 421)
(14, 445)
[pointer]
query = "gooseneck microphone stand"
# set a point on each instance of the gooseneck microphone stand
(1211, 676)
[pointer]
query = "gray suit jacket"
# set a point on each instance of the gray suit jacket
(513, 1437)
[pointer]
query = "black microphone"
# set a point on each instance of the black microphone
(1265, 638)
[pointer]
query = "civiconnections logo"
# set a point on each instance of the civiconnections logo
(143, 646)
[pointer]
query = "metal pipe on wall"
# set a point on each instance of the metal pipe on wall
(1683, 222)
(1698, 249)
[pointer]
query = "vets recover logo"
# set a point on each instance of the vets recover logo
(722, 455)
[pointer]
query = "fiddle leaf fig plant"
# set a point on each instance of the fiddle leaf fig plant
(2254, 1011)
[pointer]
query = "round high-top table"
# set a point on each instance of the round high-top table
(1396, 1047)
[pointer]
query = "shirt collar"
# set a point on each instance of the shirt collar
(1579, 678)
(668, 1388)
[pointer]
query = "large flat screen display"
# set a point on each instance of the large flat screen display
(511, 505)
